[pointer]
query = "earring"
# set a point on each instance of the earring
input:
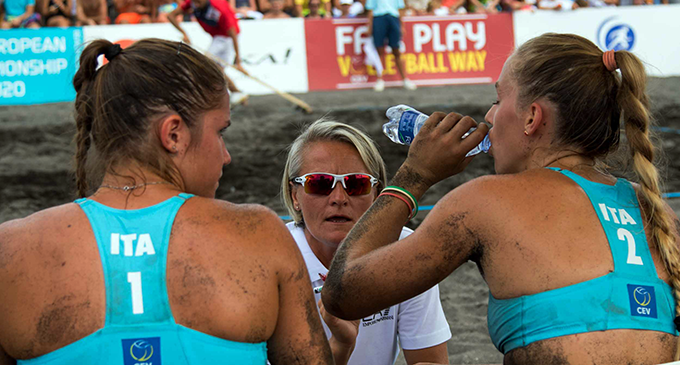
(174, 148)
(526, 133)
(297, 207)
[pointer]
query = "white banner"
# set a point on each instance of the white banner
(272, 50)
(648, 31)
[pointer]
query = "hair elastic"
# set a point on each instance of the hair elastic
(609, 60)
(112, 51)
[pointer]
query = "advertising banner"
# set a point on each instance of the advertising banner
(647, 31)
(462, 49)
(272, 50)
(37, 66)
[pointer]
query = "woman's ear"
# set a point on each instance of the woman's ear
(174, 134)
(293, 195)
(535, 118)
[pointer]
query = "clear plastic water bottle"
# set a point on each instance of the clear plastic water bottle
(405, 122)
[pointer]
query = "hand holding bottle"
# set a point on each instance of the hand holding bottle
(439, 150)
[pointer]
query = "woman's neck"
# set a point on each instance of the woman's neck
(322, 251)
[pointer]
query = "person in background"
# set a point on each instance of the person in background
(91, 12)
(313, 10)
(245, 9)
(384, 23)
(147, 266)
(163, 10)
(217, 18)
(276, 10)
(303, 8)
(133, 11)
(582, 267)
(485, 6)
(333, 173)
(343, 10)
(55, 13)
(19, 14)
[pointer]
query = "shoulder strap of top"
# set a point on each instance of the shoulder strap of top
(619, 212)
(133, 246)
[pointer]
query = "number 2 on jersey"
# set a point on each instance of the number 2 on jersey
(625, 235)
(135, 280)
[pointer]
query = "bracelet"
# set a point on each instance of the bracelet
(405, 192)
(410, 207)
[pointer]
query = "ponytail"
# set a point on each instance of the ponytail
(83, 82)
(635, 109)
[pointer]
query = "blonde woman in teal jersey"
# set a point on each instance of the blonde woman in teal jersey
(150, 268)
(582, 267)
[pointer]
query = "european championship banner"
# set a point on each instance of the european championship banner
(435, 50)
(37, 65)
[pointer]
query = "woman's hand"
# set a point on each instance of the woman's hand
(344, 335)
(438, 151)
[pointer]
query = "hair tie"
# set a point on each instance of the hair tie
(609, 60)
(112, 51)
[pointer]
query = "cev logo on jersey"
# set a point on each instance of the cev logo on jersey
(615, 36)
(642, 301)
(142, 351)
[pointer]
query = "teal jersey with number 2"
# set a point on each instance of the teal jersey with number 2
(630, 297)
(140, 328)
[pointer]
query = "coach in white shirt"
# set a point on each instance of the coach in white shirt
(333, 173)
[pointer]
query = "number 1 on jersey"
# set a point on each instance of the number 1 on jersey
(135, 280)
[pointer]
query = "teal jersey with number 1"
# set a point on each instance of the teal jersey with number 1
(140, 328)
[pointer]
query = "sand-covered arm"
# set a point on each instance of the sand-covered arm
(370, 270)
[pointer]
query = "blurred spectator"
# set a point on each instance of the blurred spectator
(601, 3)
(91, 12)
(314, 11)
(133, 11)
(19, 14)
(343, 9)
(276, 10)
(557, 5)
(302, 8)
(163, 10)
(435, 7)
(455, 6)
(514, 5)
(263, 6)
(245, 9)
(417, 7)
(355, 8)
(484, 6)
(55, 13)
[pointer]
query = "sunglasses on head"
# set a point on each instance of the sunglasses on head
(322, 183)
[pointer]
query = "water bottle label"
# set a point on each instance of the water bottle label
(406, 126)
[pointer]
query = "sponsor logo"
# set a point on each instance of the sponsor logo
(615, 35)
(642, 301)
(383, 315)
(142, 351)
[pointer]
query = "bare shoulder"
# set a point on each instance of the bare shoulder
(21, 234)
(252, 225)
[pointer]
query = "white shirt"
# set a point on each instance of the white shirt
(414, 324)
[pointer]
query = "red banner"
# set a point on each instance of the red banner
(464, 49)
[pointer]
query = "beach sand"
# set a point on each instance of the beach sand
(36, 155)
